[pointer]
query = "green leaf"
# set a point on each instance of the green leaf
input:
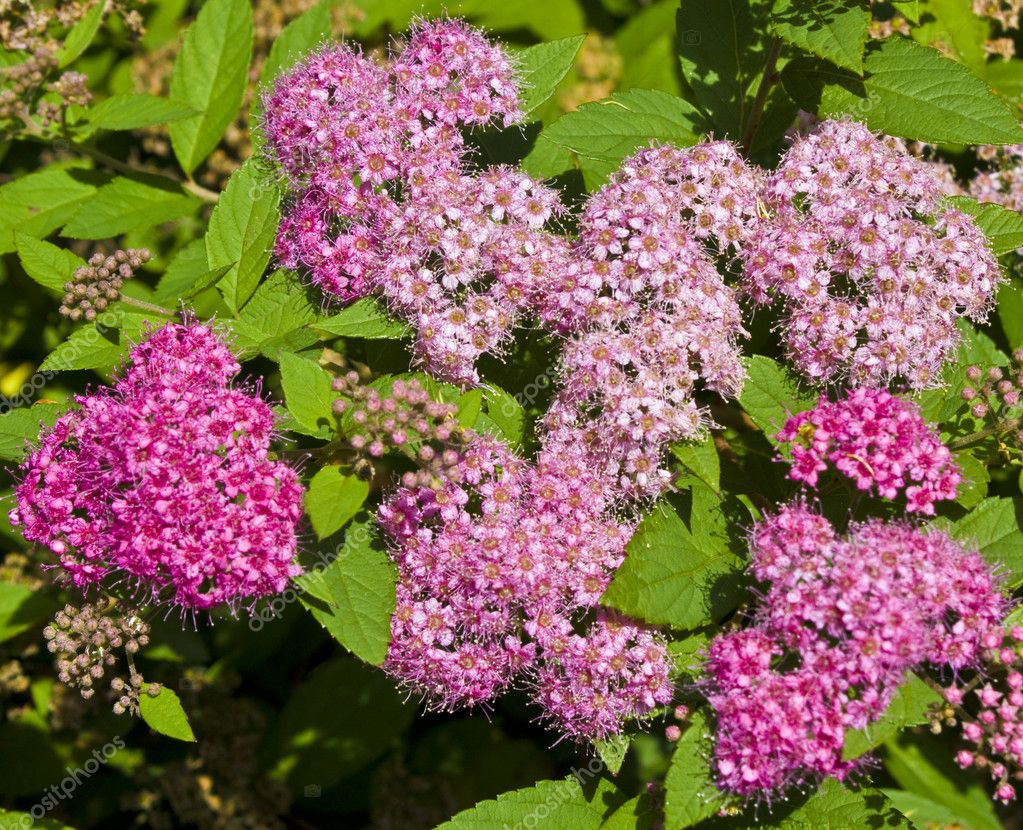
(922, 812)
(560, 805)
(1002, 227)
(909, 9)
(341, 719)
(835, 805)
(542, 67)
(607, 131)
(677, 573)
(333, 499)
(923, 765)
(995, 527)
(646, 43)
(638, 813)
(21, 608)
(19, 427)
(364, 318)
(908, 708)
(908, 90)
(134, 110)
(1010, 310)
(41, 202)
(81, 34)
(975, 478)
(49, 265)
(718, 49)
(299, 37)
(165, 715)
(506, 413)
(210, 74)
(701, 461)
(358, 586)
(307, 392)
(102, 344)
(954, 25)
(242, 230)
(835, 30)
(612, 752)
(19, 821)
(690, 795)
(1006, 78)
(187, 266)
(130, 204)
(771, 395)
(277, 316)
(470, 404)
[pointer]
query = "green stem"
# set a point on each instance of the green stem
(156, 309)
(987, 432)
(768, 80)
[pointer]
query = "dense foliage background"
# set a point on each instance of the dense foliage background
(280, 718)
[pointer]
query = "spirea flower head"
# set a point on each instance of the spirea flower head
(498, 562)
(879, 441)
(870, 269)
(382, 200)
(165, 480)
(649, 319)
(841, 621)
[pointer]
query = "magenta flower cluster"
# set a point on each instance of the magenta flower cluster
(383, 199)
(879, 441)
(843, 619)
(871, 271)
(165, 481)
(997, 731)
(498, 564)
(646, 314)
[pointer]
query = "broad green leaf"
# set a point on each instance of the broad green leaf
(41, 202)
(713, 40)
(20, 821)
(603, 133)
(690, 795)
(506, 413)
(542, 67)
(612, 751)
(21, 426)
(364, 318)
(81, 34)
(1006, 78)
(835, 30)
(129, 204)
(835, 805)
(678, 574)
(49, 265)
(357, 599)
(954, 25)
(975, 478)
(646, 42)
(277, 317)
(164, 714)
(333, 499)
(101, 344)
(21, 608)
(700, 460)
(187, 266)
(209, 75)
(908, 90)
(639, 813)
(923, 813)
(1010, 310)
(550, 20)
(1002, 227)
(909, 9)
(470, 404)
(995, 527)
(342, 718)
(569, 804)
(301, 36)
(923, 765)
(771, 395)
(307, 392)
(908, 708)
(134, 110)
(242, 230)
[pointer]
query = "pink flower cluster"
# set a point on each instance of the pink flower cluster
(879, 441)
(382, 200)
(997, 732)
(647, 315)
(165, 480)
(497, 562)
(870, 270)
(1002, 183)
(843, 619)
